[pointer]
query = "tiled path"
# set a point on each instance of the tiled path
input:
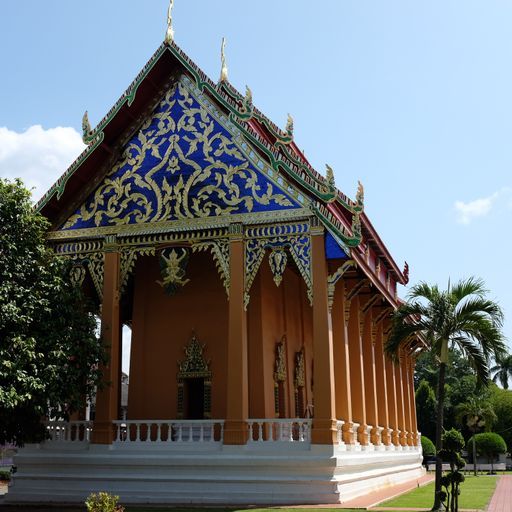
(501, 500)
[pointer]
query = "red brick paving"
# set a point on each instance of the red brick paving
(501, 500)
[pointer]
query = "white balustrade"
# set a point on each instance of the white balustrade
(169, 431)
(69, 431)
(339, 431)
(292, 430)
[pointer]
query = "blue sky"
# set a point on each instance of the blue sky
(412, 98)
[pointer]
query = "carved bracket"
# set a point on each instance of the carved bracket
(334, 278)
(220, 253)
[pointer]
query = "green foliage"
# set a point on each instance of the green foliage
(103, 502)
(49, 349)
(502, 369)
(490, 445)
(427, 446)
(5, 475)
(501, 400)
(453, 443)
(425, 404)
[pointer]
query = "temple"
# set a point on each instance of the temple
(259, 298)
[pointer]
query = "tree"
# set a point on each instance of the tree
(453, 443)
(478, 413)
(501, 400)
(490, 445)
(502, 370)
(461, 316)
(49, 348)
(425, 404)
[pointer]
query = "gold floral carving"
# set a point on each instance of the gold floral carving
(277, 260)
(332, 279)
(129, 256)
(280, 365)
(300, 370)
(236, 187)
(220, 253)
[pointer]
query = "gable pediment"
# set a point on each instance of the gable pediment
(187, 161)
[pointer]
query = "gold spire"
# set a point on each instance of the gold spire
(224, 68)
(169, 35)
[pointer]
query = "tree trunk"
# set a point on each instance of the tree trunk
(439, 432)
(474, 453)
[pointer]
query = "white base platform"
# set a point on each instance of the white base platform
(148, 473)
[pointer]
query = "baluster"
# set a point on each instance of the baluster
(201, 433)
(290, 427)
(158, 432)
(190, 433)
(137, 432)
(221, 432)
(301, 431)
(118, 436)
(180, 432)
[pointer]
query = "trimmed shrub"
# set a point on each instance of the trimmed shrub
(429, 450)
(490, 445)
(103, 502)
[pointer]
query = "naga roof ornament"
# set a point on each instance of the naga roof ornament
(360, 194)
(86, 129)
(169, 35)
(289, 126)
(224, 67)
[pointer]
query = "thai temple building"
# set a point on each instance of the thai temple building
(259, 298)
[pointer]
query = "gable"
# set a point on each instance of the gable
(187, 161)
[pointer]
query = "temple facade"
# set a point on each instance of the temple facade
(259, 298)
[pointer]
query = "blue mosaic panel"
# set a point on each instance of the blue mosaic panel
(182, 164)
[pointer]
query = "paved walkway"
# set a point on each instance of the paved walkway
(501, 500)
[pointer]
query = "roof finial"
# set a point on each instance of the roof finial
(289, 125)
(360, 193)
(86, 127)
(224, 68)
(169, 35)
(330, 175)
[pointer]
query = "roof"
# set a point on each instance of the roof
(343, 217)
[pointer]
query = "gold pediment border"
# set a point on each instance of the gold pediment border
(181, 225)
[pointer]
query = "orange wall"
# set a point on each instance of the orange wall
(163, 325)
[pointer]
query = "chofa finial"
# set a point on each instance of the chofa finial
(360, 193)
(169, 35)
(224, 68)
(86, 127)
(289, 125)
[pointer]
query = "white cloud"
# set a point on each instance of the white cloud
(38, 156)
(467, 212)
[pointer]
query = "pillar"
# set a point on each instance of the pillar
(341, 361)
(407, 400)
(107, 399)
(372, 415)
(324, 430)
(400, 398)
(237, 403)
(413, 402)
(381, 384)
(357, 371)
(392, 400)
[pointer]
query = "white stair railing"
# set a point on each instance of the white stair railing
(69, 431)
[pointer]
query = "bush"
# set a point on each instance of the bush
(429, 450)
(103, 502)
(490, 445)
(5, 475)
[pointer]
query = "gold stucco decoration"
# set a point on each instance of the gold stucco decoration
(173, 263)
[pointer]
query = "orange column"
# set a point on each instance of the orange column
(413, 401)
(382, 394)
(324, 422)
(237, 406)
(407, 400)
(341, 362)
(372, 415)
(107, 399)
(356, 371)
(400, 398)
(392, 400)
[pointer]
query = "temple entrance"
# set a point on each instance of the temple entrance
(194, 398)
(194, 384)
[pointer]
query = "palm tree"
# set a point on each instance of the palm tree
(459, 317)
(502, 370)
(478, 413)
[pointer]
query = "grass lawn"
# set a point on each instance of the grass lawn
(475, 493)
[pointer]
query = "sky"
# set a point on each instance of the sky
(412, 98)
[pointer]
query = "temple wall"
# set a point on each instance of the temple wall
(163, 325)
(274, 312)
